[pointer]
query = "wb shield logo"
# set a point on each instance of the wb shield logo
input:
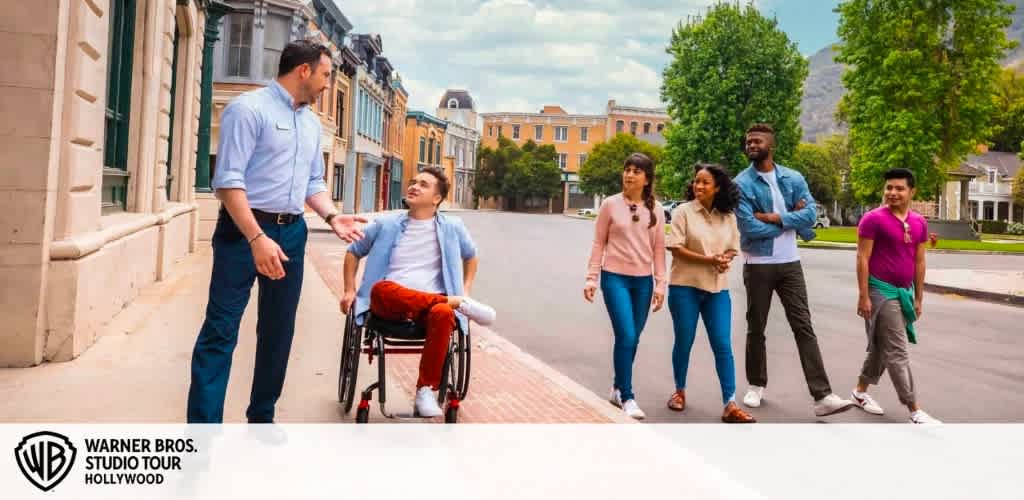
(45, 458)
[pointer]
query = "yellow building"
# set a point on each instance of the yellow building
(573, 137)
(424, 142)
(395, 147)
(99, 116)
(646, 123)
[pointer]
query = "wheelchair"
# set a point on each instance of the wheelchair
(378, 338)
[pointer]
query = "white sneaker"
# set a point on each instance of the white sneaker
(867, 403)
(615, 398)
(479, 312)
(631, 409)
(920, 417)
(832, 404)
(753, 397)
(426, 403)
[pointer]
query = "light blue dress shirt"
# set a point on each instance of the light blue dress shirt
(381, 237)
(271, 150)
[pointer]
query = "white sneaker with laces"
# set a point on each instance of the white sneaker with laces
(920, 417)
(633, 410)
(867, 403)
(753, 397)
(615, 398)
(426, 403)
(479, 312)
(832, 404)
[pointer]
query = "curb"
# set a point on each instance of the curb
(997, 298)
(586, 396)
(818, 246)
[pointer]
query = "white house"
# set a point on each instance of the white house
(990, 195)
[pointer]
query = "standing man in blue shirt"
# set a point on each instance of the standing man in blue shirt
(268, 165)
(775, 207)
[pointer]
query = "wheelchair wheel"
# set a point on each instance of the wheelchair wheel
(349, 369)
(462, 382)
(362, 415)
(451, 415)
(453, 373)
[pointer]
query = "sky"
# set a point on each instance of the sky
(519, 55)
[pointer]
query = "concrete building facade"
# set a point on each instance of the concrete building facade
(462, 137)
(99, 112)
(424, 143)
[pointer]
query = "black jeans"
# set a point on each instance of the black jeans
(761, 280)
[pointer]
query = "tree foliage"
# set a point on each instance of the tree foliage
(601, 174)
(729, 70)
(1018, 185)
(816, 163)
(512, 172)
(920, 81)
(1009, 117)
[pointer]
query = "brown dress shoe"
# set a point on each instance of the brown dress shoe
(734, 415)
(677, 402)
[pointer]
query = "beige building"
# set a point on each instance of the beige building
(647, 124)
(99, 108)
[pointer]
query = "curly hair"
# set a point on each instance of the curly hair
(644, 162)
(728, 196)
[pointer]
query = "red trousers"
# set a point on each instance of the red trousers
(394, 302)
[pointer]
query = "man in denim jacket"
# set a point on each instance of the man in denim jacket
(776, 207)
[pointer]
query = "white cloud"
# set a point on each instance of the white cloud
(518, 55)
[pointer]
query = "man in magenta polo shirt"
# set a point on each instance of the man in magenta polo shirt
(891, 243)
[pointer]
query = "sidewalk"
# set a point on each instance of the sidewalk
(138, 370)
(1005, 287)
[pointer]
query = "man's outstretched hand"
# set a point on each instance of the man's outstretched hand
(348, 227)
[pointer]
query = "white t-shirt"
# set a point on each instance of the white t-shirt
(416, 259)
(784, 250)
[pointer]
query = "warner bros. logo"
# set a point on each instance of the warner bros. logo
(45, 458)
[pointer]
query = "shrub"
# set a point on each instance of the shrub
(1016, 228)
(993, 226)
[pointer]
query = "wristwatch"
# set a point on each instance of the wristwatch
(330, 216)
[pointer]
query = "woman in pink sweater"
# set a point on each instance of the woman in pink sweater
(629, 256)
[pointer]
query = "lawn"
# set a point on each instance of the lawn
(849, 235)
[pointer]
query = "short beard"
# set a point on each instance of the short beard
(758, 157)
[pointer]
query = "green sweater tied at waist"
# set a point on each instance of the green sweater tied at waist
(905, 296)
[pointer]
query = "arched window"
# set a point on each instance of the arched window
(647, 128)
(453, 103)
(632, 128)
(619, 126)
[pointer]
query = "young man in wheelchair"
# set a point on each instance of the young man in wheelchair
(420, 266)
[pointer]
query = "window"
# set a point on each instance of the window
(647, 128)
(500, 133)
(339, 114)
(430, 152)
(561, 134)
(276, 34)
(562, 160)
(584, 134)
(339, 182)
(583, 159)
(453, 103)
(490, 130)
(991, 176)
(632, 128)
(119, 88)
(437, 153)
(538, 132)
(515, 132)
(239, 44)
(423, 150)
(385, 128)
(460, 157)
(619, 125)
(661, 126)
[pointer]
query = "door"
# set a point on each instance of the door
(368, 188)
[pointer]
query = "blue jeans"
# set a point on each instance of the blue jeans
(234, 272)
(686, 303)
(628, 299)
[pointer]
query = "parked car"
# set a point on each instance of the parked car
(669, 206)
(823, 221)
(586, 212)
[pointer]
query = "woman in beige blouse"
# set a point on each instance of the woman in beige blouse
(704, 239)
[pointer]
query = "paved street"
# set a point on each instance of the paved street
(968, 365)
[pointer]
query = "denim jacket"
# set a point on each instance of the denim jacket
(758, 238)
(382, 235)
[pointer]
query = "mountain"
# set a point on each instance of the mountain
(823, 87)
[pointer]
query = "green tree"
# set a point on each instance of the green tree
(1009, 115)
(513, 173)
(816, 163)
(729, 70)
(601, 174)
(919, 82)
(1018, 184)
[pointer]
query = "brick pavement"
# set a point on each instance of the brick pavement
(507, 385)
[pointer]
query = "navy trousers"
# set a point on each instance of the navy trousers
(234, 272)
